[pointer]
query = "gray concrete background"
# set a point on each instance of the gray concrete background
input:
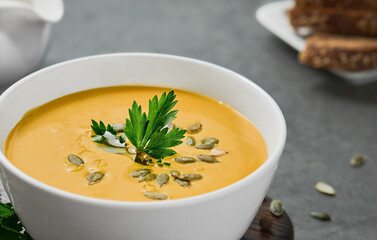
(328, 121)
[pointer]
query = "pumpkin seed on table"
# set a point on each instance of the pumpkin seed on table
(209, 140)
(183, 183)
(194, 128)
(185, 160)
(205, 146)
(175, 173)
(156, 195)
(94, 177)
(276, 208)
(325, 188)
(320, 215)
(72, 158)
(148, 177)
(162, 179)
(357, 160)
(190, 177)
(118, 127)
(190, 141)
(217, 152)
(140, 172)
(207, 158)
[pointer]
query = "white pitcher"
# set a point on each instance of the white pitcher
(24, 32)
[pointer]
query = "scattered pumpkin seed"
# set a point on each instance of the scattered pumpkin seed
(276, 208)
(320, 215)
(131, 150)
(194, 128)
(209, 140)
(148, 177)
(170, 126)
(184, 160)
(118, 127)
(140, 172)
(183, 183)
(325, 188)
(175, 173)
(217, 152)
(190, 177)
(190, 141)
(205, 146)
(162, 179)
(357, 160)
(72, 158)
(207, 158)
(156, 195)
(94, 177)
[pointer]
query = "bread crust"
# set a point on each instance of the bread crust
(335, 20)
(349, 53)
(370, 5)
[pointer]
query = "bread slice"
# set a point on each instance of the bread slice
(370, 5)
(349, 53)
(335, 20)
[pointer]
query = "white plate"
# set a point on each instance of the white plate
(273, 17)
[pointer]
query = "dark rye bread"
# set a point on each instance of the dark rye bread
(343, 4)
(349, 53)
(335, 20)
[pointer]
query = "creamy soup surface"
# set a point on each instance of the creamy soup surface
(40, 143)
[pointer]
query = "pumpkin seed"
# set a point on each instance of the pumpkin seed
(207, 158)
(72, 158)
(276, 208)
(94, 177)
(175, 173)
(184, 160)
(131, 150)
(162, 179)
(205, 146)
(183, 183)
(148, 177)
(217, 152)
(140, 172)
(190, 141)
(118, 127)
(320, 215)
(190, 177)
(209, 140)
(170, 126)
(156, 195)
(325, 188)
(194, 128)
(357, 160)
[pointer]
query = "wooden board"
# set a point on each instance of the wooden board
(276, 228)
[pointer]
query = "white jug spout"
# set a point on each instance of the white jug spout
(46, 10)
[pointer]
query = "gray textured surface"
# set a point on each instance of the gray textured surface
(328, 121)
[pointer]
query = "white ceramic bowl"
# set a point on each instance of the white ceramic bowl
(49, 213)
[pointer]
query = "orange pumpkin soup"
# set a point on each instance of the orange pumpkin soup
(39, 145)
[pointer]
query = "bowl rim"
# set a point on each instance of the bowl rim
(269, 163)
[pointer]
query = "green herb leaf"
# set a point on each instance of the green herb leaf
(167, 164)
(111, 130)
(149, 134)
(10, 225)
(98, 129)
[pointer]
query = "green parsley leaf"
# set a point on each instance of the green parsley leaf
(167, 164)
(148, 133)
(10, 225)
(98, 129)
